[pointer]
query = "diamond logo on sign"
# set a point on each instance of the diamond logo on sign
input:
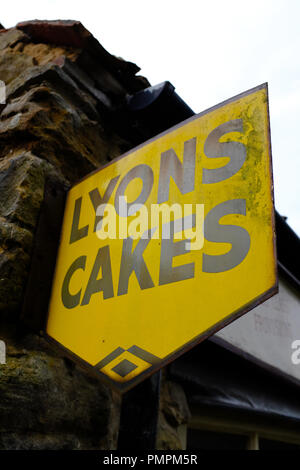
(167, 244)
(125, 366)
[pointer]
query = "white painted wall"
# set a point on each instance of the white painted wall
(268, 331)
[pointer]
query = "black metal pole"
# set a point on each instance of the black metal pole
(139, 416)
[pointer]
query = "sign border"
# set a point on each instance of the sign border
(126, 386)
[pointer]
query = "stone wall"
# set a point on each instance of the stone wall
(63, 117)
(174, 414)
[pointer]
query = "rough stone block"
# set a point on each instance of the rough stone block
(10, 37)
(22, 178)
(46, 403)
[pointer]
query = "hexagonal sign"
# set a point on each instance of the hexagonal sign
(167, 244)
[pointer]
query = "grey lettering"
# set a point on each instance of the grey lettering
(145, 173)
(105, 284)
(182, 173)
(134, 261)
(69, 300)
(97, 200)
(215, 149)
(170, 249)
(218, 233)
(77, 233)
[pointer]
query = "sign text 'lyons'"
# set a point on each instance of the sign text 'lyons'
(167, 244)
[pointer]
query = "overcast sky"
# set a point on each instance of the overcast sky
(210, 51)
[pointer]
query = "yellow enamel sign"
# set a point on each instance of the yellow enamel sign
(167, 244)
